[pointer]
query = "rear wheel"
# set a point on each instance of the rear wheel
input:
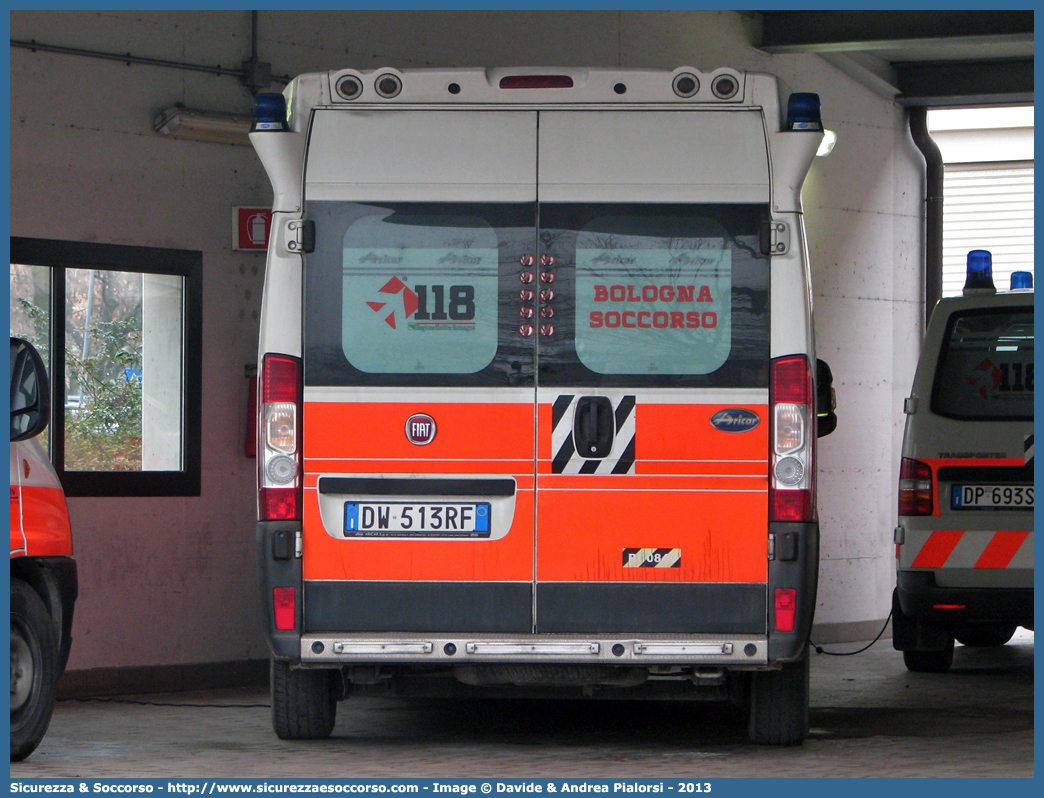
(985, 635)
(929, 661)
(34, 669)
(304, 702)
(779, 704)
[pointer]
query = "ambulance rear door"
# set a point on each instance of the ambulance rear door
(653, 368)
(418, 422)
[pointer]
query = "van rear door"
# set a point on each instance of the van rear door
(652, 433)
(536, 319)
(419, 390)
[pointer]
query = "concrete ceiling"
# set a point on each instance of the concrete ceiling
(920, 58)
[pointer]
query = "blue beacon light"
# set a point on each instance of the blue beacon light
(803, 111)
(1021, 281)
(269, 112)
(980, 271)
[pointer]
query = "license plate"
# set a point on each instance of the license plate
(412, 519)
(992, 497)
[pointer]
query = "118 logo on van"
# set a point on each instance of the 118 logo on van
(460, 307)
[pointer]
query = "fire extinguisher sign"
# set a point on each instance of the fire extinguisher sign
(250, 228)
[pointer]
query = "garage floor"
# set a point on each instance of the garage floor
(870, 717)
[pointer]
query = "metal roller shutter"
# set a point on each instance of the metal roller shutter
(987, 206)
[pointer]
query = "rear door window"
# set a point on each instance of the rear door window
(423, 294)
(440, 315)
(649, 301)
(655, 295)
(985, 368)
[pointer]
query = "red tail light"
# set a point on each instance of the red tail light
(278, 445)
(280, 378)
(916, 496)
(792, 441)
(278, 504)
(284, 606)
(790, 505)
(786, 609)
(791, 380)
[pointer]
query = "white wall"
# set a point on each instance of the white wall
(171, 581)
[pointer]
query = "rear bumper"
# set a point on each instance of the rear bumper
(725, 624)
(921, 598)
(462, 649)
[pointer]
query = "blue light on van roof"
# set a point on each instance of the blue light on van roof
(1020, 281)
(980, 271)
(803, 111)
(269, 112)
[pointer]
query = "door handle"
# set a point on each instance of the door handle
(594, 427)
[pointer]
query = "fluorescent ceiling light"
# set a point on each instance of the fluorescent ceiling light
(179, 122)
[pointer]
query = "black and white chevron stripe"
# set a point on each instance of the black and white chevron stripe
(566, 460)
(1027, 450)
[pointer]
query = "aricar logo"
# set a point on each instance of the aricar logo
(735, 419)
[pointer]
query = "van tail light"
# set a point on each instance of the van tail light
(916, 496)
(278, 433)
(786, 609)
(792, 441)
(284, 608)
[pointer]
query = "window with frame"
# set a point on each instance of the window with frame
(120, 329)
(985, 370)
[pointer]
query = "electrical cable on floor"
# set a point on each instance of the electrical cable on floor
(164, 704)
(821, 650)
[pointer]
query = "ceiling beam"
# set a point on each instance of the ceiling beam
(839, 31)
(995, 82)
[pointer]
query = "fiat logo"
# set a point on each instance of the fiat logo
(420, 429)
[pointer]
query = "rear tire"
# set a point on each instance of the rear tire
(304, 702)
(779, 704)
(929, 661)
(985, 636)
(34, 669)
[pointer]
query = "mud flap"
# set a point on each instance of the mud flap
(278, 566)
(911, 634)
(795, 566)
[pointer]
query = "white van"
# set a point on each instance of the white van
(964, 543)
(537, 388)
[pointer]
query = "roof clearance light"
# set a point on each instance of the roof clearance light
(724, 87)
(269, 112)
(536, 82)
(980, 272)
(349, 87)
(1021, 281)
(686, 84)
(803, 112)
(388, 86)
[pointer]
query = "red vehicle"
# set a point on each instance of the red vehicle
(43, 572)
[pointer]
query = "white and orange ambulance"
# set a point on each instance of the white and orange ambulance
(964, 542)
(537, 388)
(43, 572)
